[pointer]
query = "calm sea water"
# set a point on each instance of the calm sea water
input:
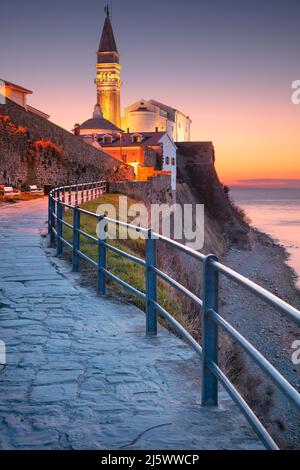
(277, 213)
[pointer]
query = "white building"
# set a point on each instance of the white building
(18, 94)
(152, 116)
(143, 150)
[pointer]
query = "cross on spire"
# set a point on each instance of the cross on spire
(106, 9)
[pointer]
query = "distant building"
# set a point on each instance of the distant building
(150, 153)
(151, 116)
(19, 94)
(90, 129)
(108, 79)
(145, 137)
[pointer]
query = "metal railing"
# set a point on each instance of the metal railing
(70, 197)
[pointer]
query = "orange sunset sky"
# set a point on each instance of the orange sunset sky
(228, 66)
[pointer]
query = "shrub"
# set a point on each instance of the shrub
(47, 148)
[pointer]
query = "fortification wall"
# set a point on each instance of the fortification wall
(33, 150)
(155, 190)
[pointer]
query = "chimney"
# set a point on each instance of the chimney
(77, 129)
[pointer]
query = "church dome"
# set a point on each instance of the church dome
(98, 122)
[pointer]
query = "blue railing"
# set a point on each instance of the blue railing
(70, 197)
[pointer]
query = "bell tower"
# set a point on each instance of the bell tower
(108, 79)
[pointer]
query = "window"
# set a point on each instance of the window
(107, 139)
(173, 161)
(167, 161)
(136, 138)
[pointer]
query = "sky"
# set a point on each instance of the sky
(227, 64)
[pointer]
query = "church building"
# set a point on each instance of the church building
(108, 79)
(145, 137)
(151, 116)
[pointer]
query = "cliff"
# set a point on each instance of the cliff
(34, 150)
(196, 169)
(197, 183)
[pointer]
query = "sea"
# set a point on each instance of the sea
(277, 213)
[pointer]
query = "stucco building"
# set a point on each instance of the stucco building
(19, 95)
(150, 153)
(90, 130)
(153, 116)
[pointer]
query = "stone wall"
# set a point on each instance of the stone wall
(61, 158)
(155, 190)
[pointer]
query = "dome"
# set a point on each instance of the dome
(98, 122)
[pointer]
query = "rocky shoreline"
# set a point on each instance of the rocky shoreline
(267, 330)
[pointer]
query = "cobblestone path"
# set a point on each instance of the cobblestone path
(80, 372)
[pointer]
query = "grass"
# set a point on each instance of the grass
(125, 269)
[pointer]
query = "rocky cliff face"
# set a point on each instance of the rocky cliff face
(196, 169)
(36, 151)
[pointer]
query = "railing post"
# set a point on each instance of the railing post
(76, 196)
(209, 333)
(49, 214)
(52, 209)
(151, 285)
(59, 228)
(76, 239)
(101, 256)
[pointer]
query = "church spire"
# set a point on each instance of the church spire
(108, 79)
(107, 42)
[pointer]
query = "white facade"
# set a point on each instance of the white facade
(152, 116)
(18, 94)
(169, 158)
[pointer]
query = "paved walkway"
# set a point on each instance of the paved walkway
(80, 372)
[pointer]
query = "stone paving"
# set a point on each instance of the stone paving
(80, 373)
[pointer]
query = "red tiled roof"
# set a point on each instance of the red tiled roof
(149, 139)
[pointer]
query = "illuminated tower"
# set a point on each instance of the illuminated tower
(108, 78)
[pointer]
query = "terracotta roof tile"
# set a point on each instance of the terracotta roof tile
(149, 139)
